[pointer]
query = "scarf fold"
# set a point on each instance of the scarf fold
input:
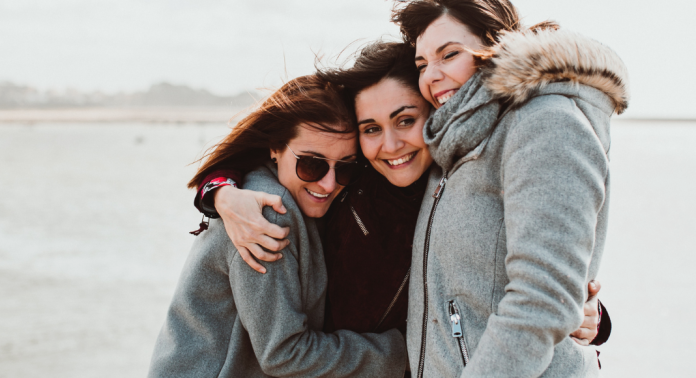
(462, 123)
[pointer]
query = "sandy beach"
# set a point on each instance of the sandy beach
(94, 221)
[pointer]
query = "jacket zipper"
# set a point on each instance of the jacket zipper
(437, 195)
(359, 221)
(456, 320)
(393, 302)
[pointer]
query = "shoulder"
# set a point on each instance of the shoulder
(212, 248)
(555, 113)
(546, 106)
(265, 179)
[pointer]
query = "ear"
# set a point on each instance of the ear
(274, 155)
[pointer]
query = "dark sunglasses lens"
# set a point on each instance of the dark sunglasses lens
(347, 173)
(310, 169)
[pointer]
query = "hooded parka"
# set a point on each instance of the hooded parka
(513, 224)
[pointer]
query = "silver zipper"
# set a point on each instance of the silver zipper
(437, 195)
(360, 222)
(440, 187)
(456, 321)
(393, 302)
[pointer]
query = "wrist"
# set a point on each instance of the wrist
(208, 198)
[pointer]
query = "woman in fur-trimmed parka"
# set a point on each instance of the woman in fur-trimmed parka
(516, 221)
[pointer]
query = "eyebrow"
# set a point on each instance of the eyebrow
(392, 115)
(401, 109)
(322, 155)
(439, 49)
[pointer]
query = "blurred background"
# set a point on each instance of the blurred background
(105, 104)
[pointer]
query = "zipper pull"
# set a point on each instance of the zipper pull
(440, 186)
(456, 325)
(455, 319)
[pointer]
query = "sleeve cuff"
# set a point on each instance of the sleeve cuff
(205, 203)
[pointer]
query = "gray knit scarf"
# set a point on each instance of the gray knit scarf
(462, 123)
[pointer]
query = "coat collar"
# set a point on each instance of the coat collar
(524, 63)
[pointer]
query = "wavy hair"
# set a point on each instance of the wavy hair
(309, 101)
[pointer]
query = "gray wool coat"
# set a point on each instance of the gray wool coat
(506, 243)
(227, 320)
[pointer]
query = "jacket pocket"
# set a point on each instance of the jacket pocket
(455, 318)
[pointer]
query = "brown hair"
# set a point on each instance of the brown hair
(374, 62)
(307, 100)
(486, 19)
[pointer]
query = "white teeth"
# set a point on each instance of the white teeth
(402, 160)
(446, 97)
(315, 194)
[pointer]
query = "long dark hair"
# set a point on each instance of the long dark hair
(487, 19)
(308, 100)
(377, 61)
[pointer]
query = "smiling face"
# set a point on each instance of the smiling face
(314, 198)
(442, 59)
(390, 121)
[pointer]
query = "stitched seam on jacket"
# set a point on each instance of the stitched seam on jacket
(495, 262)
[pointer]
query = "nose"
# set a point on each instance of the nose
(392, 142)
(432, 74)
(328, 182)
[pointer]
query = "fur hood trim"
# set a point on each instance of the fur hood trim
(523, 63)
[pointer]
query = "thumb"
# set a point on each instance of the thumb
(593, 288)
(274, 201)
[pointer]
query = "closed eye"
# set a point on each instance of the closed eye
(451, 55)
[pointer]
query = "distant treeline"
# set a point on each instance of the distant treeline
(14, 96)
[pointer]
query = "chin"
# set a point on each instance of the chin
(314, 211)
(402, 181)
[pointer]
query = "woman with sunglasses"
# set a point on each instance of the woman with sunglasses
(228, 320)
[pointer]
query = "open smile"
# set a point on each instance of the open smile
(442, 97)
(318, 197)
(402, 161)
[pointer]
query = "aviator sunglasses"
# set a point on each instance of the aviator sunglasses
(314, 168)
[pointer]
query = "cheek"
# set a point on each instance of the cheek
(425, 92)
(463, 70)
(286, 173)
(369, 146)
(414, 136)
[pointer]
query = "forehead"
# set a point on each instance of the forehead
(385, 97)
(444, 29)
(331, 145)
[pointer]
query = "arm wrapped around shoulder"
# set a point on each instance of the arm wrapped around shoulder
(282, 311)
(554, 171)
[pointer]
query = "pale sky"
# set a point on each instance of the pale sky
(236, 45)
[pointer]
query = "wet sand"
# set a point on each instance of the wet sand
(94, 222)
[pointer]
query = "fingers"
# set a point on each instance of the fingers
(590, 309)
(593, 288)
(584, 336)
(273, 231)
(590, 322)
(263, 232)
(246, 256)
(583, 342)
(272, 244)
(271, 200)
(262, 255)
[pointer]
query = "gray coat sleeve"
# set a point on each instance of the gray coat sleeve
(270, 307)
(553, 172)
